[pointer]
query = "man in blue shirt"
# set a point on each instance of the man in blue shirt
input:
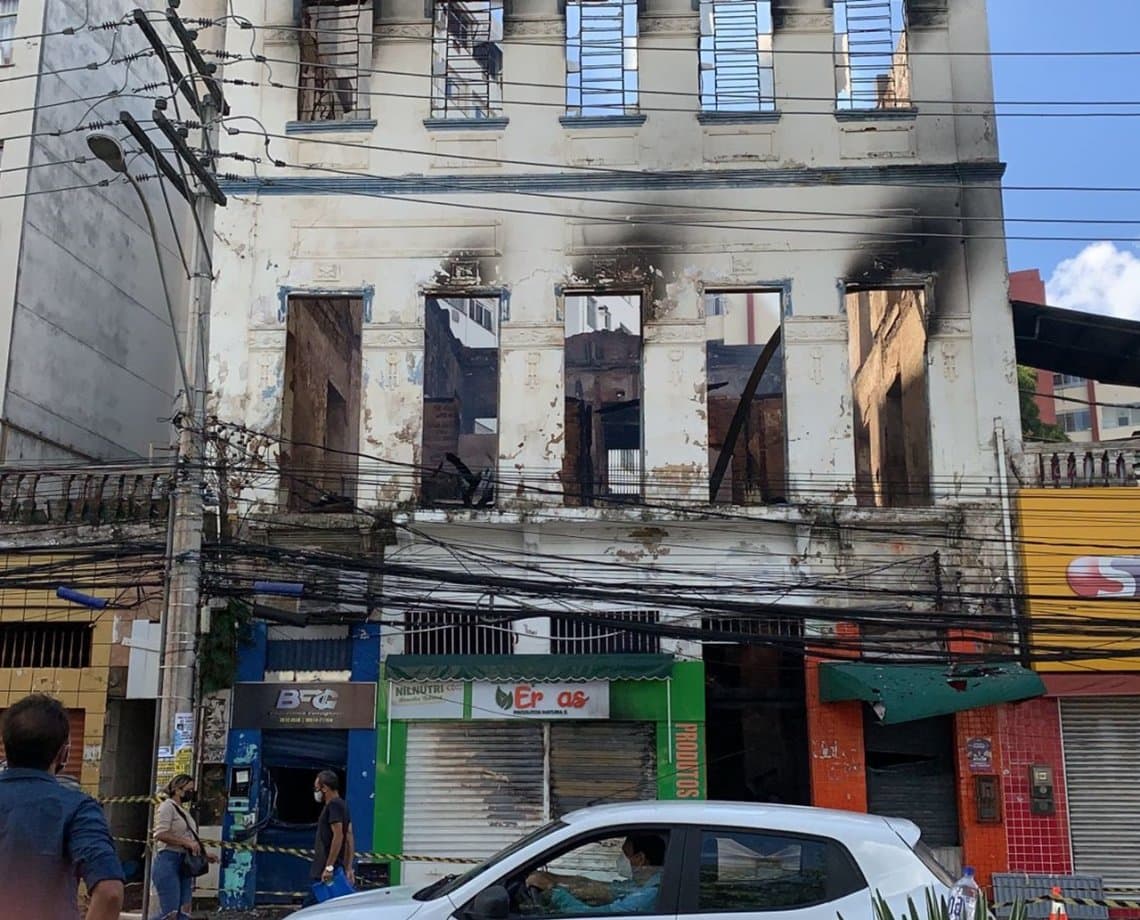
(51, 834)
(643, 856)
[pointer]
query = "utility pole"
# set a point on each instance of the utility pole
(177, 698)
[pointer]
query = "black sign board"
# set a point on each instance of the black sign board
(320, 705)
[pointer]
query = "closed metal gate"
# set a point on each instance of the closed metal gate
(910, 774)
(1102, 757)
(594, 763)
(471, 789)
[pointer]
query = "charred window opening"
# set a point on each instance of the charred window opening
(574, 636)
(445, 632)
(601, 57)
(461, 401)
(602, 462)
(334, 53)
(744, 366)
(321, 417)
(887, 342)
(736, 56)
(467, 59)
(872, 62)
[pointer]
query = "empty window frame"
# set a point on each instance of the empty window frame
(1068, 380)
(571, 635)
(461, 401)
(744, 367)
(335, 53)
(603, 457)
(887, 354)
(467, 59)
(8, 10)
(601, 57)
(872, 63)
(736, 56)
(446, 632)
(321, 411)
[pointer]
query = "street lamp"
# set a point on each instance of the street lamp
(108, 149)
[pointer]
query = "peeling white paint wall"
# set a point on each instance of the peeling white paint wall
(755, 234)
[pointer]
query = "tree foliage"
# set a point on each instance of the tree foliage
(1032, 427)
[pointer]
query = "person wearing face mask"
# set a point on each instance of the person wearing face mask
(334, 847)
(639, 867)
(51, 833)
(175, 835)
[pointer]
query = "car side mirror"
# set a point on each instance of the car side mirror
(491, 904)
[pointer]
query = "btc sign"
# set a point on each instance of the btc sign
(331, 705)
(588, 700)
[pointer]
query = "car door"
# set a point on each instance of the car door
(733, 873)
(585, 882)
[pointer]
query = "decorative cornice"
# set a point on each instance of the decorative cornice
(550, 335)
(809, 329)
(602, 121)
(675, 332)
(676, 24)
(392, 337)
(547, 27)
(412, 28)
(949, 175)
(466, 124)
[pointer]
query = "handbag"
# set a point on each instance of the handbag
(194, 865)
(337, 887)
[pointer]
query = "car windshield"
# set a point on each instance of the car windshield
(450, 883)
(940, 872)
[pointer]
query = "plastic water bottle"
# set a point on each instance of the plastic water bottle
(964, 897)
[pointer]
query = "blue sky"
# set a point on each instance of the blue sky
(1071, 151)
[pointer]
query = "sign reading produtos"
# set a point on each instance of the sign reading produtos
(510, 700)
(324, 705)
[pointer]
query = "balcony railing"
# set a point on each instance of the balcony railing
(1085, 465)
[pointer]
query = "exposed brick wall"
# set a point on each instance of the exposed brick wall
(1030, 733)
(983, 845)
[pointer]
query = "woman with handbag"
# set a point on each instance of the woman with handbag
(179, 856)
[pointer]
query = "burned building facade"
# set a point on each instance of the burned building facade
(673, 298)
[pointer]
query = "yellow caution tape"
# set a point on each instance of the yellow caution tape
(308, 854)
(130, 800)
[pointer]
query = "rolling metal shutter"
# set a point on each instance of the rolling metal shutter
(595, 763)
(471, 789)
(1102, 757)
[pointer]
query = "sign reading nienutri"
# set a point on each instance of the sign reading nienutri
(323, 705)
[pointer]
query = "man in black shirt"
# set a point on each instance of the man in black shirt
(334, 845)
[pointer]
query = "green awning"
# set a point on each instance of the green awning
(421, 668)
(908, 692)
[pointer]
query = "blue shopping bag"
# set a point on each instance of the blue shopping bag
(337, 888)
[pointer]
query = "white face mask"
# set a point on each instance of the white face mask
(317, 796)
(624, 868)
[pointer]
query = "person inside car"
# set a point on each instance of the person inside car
(640, 864)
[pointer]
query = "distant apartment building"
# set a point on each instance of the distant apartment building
(1086, 410)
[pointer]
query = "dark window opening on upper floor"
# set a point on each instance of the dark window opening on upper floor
(575, 636)
(461, 401)
(321, 412)
(601, 57)
(335, 51)
(744, 366)
(467, 59)
(736, 64)
(891, 405)
(447, 632)
(603, 445)
(45, 645)
(872, 61)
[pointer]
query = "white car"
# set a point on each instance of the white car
(671, 860)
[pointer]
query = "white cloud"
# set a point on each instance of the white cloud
(1101, 279)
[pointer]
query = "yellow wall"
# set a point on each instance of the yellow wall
(1056, 527)
(76, 688)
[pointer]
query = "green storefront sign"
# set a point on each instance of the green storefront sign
(487, 689)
